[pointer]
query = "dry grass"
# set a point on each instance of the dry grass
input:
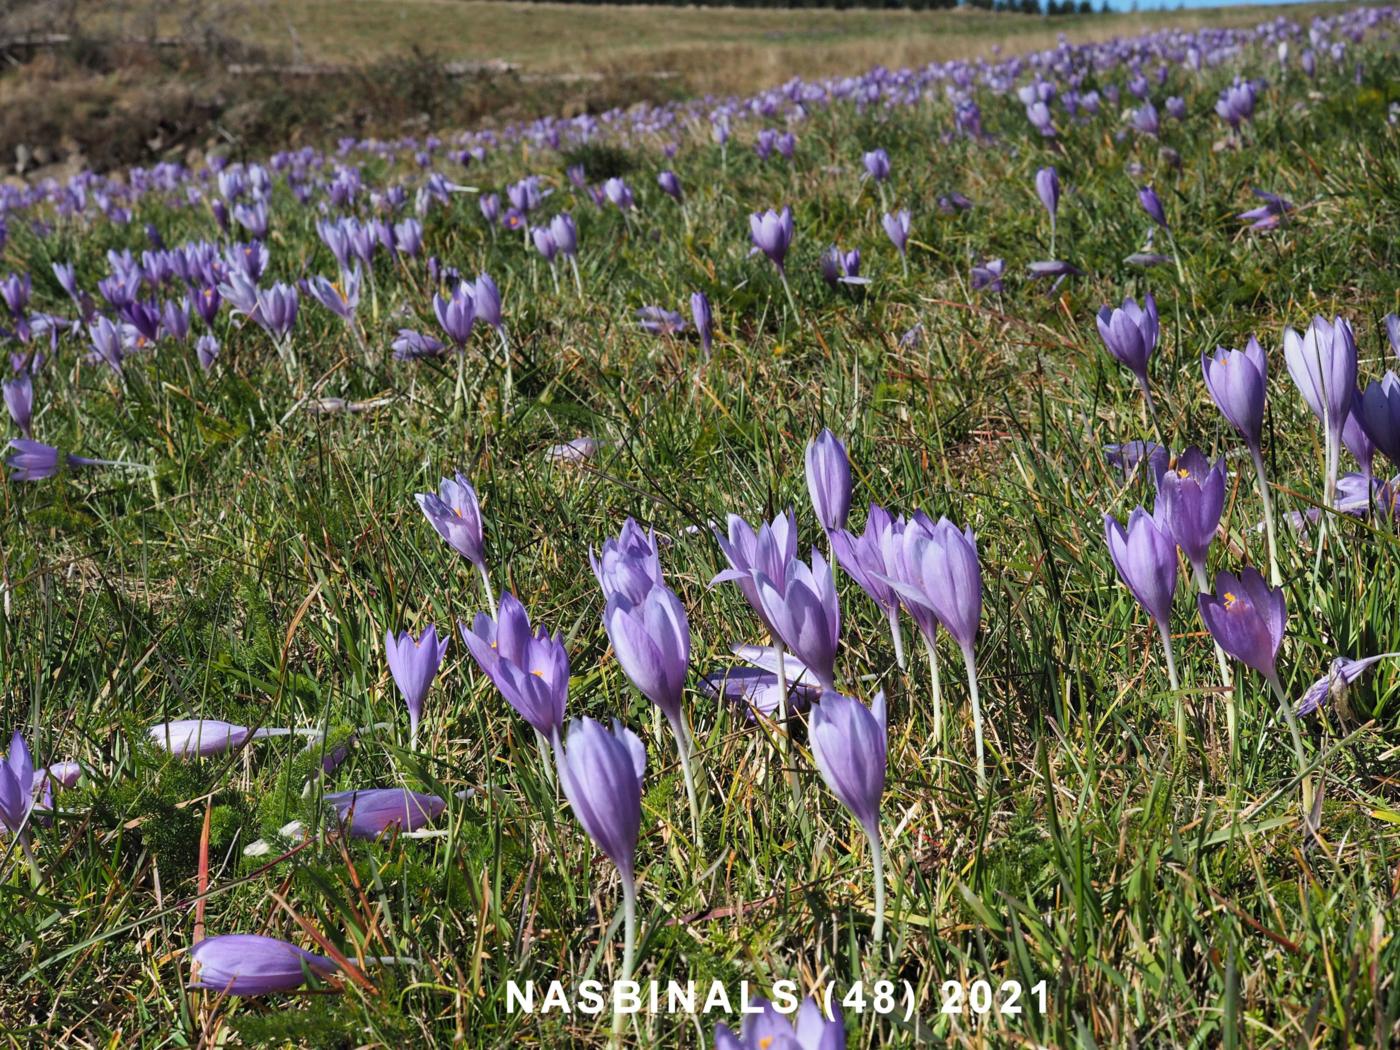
(713, 49)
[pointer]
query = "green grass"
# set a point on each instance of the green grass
(1166, 900)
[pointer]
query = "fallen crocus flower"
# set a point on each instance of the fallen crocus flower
(757, 690)
(1333, 685)
(659, 321)
(576, 451)
(369, 813)
(1269, 214)
(251, 964)
(203, 737)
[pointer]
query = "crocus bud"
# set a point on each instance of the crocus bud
(1145, 557)
(1047, 185)
(1152, 204)
(414, 662)
(251, 964)
(601, 773)
(829, 480)
(651, 639)
(1379, 414)
(849, 746)
(670, 184)
(803, 609)
(877, 164)
(1238, 382)
(1130, 333)
(19, 401)
(704, 320)
(16, 785)
(772, 234)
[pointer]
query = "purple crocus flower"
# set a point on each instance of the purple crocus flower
(16, 787)
(564, 234)
(704, 320)
(456, 315)
(651, 639)
(276, 310)
(368, 813)
(455, 512)
(198, 737)
(1357, 441)
(629, 566)
(35, 461)
(1145, 119)
(1334, 684)
(409, 345)
(19, 401)
(840, 267)
(870, 559)
(772, 234)
(490, 205)
(206, 303)
(1269, 214)
(15, 289)
(670, 184)
(897, 229)
(657, 320)
(988, 275)
(340, 297)
(1038, 113)
(1152, 204)
(619, 193)
(486, 298)
(1130, 335)
(1392, 332)
(1378, 409)
(1238, 381)
(850, 747)
(1056, 268)
(1176, 107)
(1247, 619)
(829, 480)
(601, 773)
(877, 164)
(206, 348)
(1047, 186)
(530, 670)
(1190, 499)
(251, 964)
(544, 242)
(1145, 557)
(107, 343)
(750, 553)
(803, 608)
(408, 236)
(767, 1029)
(1323, 366)
(414, 662)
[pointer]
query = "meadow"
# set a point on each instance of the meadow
(879, 367)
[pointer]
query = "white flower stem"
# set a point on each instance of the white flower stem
(1227, 676)
(937, 693)
(546, 756)
(897, 636)
(35, 873)
(1300, 755)
(1178, 707)
(877, 858)
(629, 948)
(786, 751)
(971, 663)
(685, 749)
(1275, 577)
